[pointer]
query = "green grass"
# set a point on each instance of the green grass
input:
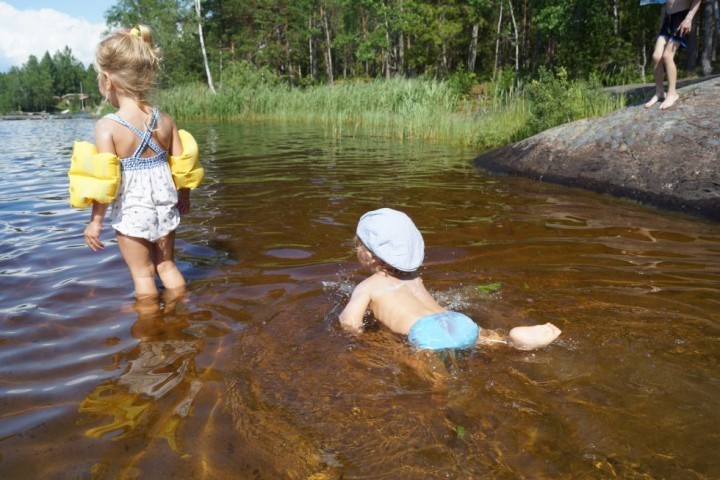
(428, 110)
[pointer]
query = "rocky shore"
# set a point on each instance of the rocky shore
(669, 158)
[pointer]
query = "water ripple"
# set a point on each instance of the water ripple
(253, 364)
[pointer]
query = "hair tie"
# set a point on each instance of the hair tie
(135, 31)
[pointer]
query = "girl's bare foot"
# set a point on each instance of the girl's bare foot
(654, 100)
(669, 101)
(530, 338)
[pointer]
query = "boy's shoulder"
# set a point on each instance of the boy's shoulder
(369, 281)
(382, 280)
(373, 282)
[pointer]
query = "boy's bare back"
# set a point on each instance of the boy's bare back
(397, 303)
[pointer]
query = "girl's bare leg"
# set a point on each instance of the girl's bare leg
(164, 260)
(137, 253)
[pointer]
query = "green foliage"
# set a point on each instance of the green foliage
(550, 99)
(403, 108)
(43, 85)
(461, 81)
(554, 99)
(67, 72)
(297, 41)
(29, 88)
(271, 59)
(6, 99)
(426, 37)
(174, 30)
(242, 74)
(619, 74)
(489, 287)
(422, 109)
(505, 80)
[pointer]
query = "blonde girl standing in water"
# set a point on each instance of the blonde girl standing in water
(150, 196)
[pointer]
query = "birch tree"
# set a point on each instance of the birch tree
(517, 38)
(202, 46)
(328, 45)
(497, 41)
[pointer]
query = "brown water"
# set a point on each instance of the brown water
(250, 375)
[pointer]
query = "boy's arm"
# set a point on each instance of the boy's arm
(351, 318)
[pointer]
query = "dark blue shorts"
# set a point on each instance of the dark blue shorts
(670, 26)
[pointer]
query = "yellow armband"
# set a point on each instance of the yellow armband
(186, 169)
(93, 175)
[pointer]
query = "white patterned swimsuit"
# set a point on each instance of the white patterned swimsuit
(146, 205)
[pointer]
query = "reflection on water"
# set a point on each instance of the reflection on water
(163, 362)
(250, 376)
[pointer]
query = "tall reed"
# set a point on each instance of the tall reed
(402, 108)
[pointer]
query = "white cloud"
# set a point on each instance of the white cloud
(34, 32)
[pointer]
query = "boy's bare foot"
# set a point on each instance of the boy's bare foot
(669, 102)
(654, 100)
(530, 338)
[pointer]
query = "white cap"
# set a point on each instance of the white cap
(393, 238)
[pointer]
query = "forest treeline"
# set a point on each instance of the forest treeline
(310, 41)
(473, 45)
(54, 82)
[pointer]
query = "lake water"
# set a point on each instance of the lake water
(250, 376)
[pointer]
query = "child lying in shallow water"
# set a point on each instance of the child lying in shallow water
(390, 245)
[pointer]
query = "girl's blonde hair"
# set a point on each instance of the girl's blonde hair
(131, 59)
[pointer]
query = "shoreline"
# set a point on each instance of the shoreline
(44, 116)
(667, 159)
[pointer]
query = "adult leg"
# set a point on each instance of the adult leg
(164, 259)
(669, 61)
(137, 253)
(658, 72)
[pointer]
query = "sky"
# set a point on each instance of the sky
(33, 27)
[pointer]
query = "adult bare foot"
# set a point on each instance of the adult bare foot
(531, 338)
(654, 100)
(669, 102)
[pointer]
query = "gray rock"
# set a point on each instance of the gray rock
(667, 158)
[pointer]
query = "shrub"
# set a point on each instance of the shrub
(243, 74)
(461, 82)
(554, 99)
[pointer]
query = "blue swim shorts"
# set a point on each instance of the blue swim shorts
(444, 330)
